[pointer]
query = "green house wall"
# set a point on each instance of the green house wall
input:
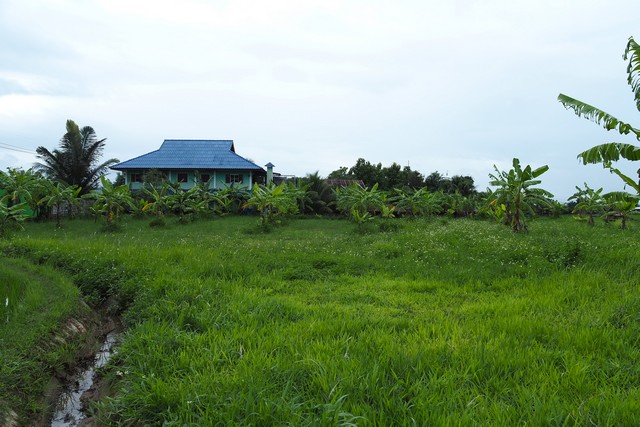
(218, 178)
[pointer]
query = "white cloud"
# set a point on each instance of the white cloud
(455, 86)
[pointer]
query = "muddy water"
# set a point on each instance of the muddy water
(69, 409)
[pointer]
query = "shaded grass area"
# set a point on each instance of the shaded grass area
(36, 300)
(439, 322)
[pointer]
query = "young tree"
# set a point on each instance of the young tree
(620, 205)
(271, 201)
(608, 153)
(111, 201)
(23, 186)
(76, 161)
(185, 204)
(59, 194)
(10, 215)
(421, 202)
(361, 203)
(157, 200)
(589, 202)
(516, 195)
(230, 199)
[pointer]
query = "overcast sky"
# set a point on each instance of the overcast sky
(452, 86)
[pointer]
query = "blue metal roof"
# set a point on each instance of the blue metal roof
(190, 154)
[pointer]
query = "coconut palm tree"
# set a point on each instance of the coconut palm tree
(608, 153)
(76, 161)
(321, 197)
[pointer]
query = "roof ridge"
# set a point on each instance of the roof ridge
(183, 139)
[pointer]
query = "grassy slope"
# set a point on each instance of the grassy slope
(449, 322)
(40, 299)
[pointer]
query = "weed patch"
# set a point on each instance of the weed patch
(441, 322)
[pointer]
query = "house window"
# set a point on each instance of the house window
(182, 177)
(204, 177)
(136, 177)
(233, 178)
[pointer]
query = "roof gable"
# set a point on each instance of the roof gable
(190, 154)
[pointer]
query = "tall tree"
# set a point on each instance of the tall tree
(76, 161)
(369, 173)
(434, 181)
(463, 185)
(411, 178)
(610, 152)
(322, 197)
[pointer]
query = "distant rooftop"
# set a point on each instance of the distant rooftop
(190, 154)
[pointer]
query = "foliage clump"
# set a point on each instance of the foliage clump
(515, 196)
(608, 153)
(76, 161)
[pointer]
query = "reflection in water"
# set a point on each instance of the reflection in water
(69, 407)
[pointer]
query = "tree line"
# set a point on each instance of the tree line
(74, 169)
(396, 176)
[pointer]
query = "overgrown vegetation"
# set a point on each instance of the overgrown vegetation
(434, 322)
(35, 302)
(444, 322)
(516, 194)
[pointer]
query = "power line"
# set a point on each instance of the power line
(14, 148)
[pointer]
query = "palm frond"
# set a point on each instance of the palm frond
(632, 54)
(597, 116)
(627, 179)
(610, 152)
(621, 197)
(539, 171)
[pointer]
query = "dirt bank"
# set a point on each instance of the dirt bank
(87, 331)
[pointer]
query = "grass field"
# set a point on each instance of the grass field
(440, 322)
(36, 300)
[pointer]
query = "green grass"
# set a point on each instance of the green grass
(454, 322)
(35, 302)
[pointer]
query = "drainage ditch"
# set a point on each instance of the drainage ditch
(70, 406)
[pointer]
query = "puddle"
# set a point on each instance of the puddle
(69, 410)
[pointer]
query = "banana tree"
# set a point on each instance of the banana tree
(60, 194)
(11, 215)
(157, 200)
(230, 199)
(420, 202)
(359, 199)
(620, 204)
(23, 186)
(185, 204)
(608, 153)
(516, 195)
(589, 202)
(111, 201)
(271, 201)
